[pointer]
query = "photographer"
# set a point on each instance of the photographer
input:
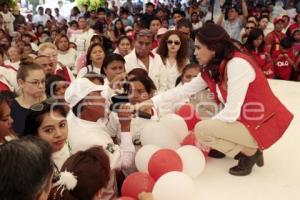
(233, 22)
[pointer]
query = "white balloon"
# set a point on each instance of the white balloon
(143, 156)
(174, 186)
(193, 160)
(177, 125)
(157, 134)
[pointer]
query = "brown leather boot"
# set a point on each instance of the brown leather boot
(246, 164)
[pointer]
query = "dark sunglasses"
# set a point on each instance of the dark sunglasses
(40, 106)
(174, 42)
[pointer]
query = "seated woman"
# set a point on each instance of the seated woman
(113, 68)
(255, 46)
(80, 167)
(47, 120)
(6, 131)
(94, 60)
(124, 46)
(26, 169)
(31, 80)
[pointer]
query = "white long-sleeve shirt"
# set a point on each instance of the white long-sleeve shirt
(9, 77)
(239, 73)
(86, 134)
(156, 70)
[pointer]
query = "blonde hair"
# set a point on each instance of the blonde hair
(46, 45)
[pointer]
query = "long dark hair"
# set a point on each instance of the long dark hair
(253, 35)
(182, 54)
(216, 39)
(89, 51)
(119, 32)
(35, 118)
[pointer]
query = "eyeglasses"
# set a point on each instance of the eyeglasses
(174, 42)
(40, 106)
(249, 27)
(36, 83)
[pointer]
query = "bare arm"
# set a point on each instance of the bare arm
(244, 10)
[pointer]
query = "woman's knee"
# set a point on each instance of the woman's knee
(203, 131)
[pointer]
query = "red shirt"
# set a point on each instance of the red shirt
(282, 67)
(274, 39)
(264, 63)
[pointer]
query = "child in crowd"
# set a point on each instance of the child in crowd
(284, 59)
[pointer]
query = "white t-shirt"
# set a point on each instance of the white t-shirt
(156, 71)
(83, 71)
(41, 19)
(82, 40)
(68, 58)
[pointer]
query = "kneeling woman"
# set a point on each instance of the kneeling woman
(252, 119)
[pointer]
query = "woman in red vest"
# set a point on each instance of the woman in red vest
(252, 118)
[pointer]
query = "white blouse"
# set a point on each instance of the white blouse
(68, 58)
(240, 74)
(156, 71)
(61, 156)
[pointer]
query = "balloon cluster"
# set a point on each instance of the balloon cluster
(169, 159)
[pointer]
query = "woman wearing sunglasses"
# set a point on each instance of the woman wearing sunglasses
(173, 50)
(31, 80)
(47, 120)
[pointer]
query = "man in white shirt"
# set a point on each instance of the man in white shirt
(87, 127)
(87, 123)
(57, 16)
(82, 39)
(41, 18)
(142, 57)
(234, 22)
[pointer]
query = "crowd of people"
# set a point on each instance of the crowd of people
(76, 92)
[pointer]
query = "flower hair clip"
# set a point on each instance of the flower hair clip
(66, 181)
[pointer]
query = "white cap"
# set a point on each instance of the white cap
(79, 89)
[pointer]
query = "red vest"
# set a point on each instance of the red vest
(262, 113)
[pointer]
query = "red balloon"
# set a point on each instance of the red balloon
(190, 139)
(137, 183)
(164, 161)
(189, 114)
(125, 198)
